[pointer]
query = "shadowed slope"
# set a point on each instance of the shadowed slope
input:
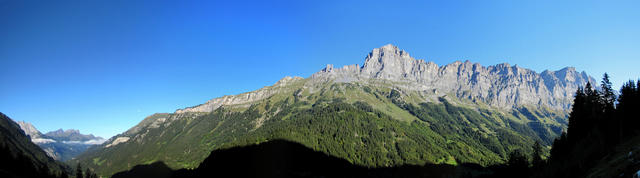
(155, 170)
(281, 158)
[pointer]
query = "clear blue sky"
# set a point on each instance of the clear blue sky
(102, 66)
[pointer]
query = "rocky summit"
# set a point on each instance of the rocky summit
(502, 85)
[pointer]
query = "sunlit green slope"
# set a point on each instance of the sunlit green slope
(369, 125)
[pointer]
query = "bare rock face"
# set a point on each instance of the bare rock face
(117, 141)
(29, 129)
(243, 98)
(500, 85)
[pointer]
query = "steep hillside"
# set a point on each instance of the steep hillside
(394, 110)
(20, 157)
(623, 161)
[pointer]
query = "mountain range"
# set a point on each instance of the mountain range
(60, 144)
(503, 86)
(392, 110)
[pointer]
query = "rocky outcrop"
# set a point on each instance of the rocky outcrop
(500, 85)
(29, 129)
(117, 141)
(243, 98)
(35, 135)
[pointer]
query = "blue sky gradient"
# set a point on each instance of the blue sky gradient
(102, 66)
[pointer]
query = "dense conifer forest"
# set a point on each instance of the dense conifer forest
(599, 122)
(602, 126)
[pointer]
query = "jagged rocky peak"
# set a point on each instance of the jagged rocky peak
(387, 62)
(71, 135)
(500, 85)
(65, 132)
(29, 129)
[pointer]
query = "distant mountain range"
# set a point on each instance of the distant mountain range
(60, 144)
(19, 157)
(392, 110)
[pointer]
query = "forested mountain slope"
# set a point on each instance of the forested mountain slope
(394, 110)
(603, 138)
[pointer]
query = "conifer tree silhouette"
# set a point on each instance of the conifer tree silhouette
(79, 171)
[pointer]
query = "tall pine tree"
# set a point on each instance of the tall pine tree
(627, 108)
(576, 123)
(608, 126)
(608, 97)
(597, 124)
(79, 171)
(536, 156)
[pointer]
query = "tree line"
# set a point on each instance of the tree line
(599, 121)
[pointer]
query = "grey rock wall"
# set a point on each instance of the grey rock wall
(500, 85)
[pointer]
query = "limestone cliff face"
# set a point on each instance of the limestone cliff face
(29, 129)
(244, 98)
(500, 85)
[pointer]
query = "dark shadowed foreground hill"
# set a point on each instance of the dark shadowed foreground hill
(281, 158)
